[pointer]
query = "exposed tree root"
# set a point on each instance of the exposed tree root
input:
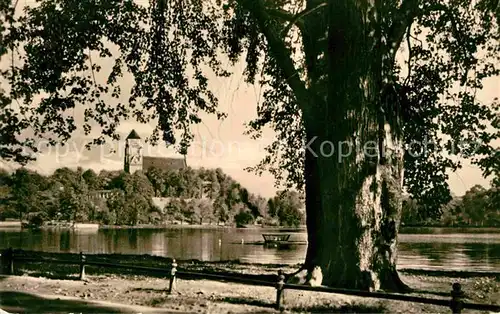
(313, 277)
(393, 283)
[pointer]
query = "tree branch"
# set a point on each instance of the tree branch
(280, 52)
(300, 15)
(286, 16)
(294, 19)
(407, 12)
(408, 42)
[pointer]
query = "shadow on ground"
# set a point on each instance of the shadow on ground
(246, 301)
(154, 290)
(55, 275)
(21, 302)
(431, 292)
(342, 309)
(324, 308)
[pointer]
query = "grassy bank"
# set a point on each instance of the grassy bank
(134, 287)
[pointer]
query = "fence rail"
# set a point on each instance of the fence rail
(456, 303)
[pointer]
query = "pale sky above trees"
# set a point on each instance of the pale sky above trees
(216, 144)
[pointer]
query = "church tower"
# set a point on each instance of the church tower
(133, 153)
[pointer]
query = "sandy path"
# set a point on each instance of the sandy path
(143, 294)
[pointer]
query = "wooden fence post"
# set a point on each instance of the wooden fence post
(280, 297)
(456, 298)
(7, 266)
(82, 266)
(10, 261)
(173, 271)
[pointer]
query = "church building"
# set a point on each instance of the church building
(135, 159)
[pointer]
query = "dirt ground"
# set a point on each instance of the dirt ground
(204, 296)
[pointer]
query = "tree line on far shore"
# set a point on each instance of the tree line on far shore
(74, 195)
(71, 195)
(479, 207)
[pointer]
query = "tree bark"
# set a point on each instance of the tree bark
(353, 215)
(353, 193)
(353, 199)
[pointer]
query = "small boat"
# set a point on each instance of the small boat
(85, 226)
(276, 239)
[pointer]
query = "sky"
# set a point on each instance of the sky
(216, 144)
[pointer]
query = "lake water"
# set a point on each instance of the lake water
(424, 248)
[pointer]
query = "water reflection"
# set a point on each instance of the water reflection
(434, 255)
(64, 242)
(132, 238)
(443, 249)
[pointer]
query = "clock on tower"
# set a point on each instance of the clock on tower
(133, 153)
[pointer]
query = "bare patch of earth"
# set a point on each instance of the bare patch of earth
(203, 296)
(121, 286)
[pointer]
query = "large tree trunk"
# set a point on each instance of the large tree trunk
(353, 199)
(353, 214)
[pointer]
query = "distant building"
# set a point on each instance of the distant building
(134, 159)
(133, 153)
(203, 194)
(163, 163)
(99, 198)
(104, 194)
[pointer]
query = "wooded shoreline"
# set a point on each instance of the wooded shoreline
(16, 224)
